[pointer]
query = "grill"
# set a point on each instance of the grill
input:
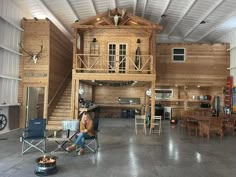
(46, 165)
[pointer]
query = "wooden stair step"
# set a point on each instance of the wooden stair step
(60, 114)
(60, 118)
(63, 103)
(66, 97)
(54, 122)
(63, 106)
(53, 127)
(62, 110)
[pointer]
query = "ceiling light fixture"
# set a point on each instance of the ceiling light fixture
(163, 16)
(203, 22)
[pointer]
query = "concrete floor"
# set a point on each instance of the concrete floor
(123, 154)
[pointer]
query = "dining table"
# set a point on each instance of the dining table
(203, 122)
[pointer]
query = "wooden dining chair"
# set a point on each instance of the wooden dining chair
(140, 120)
(229, 125)
(155, 126)
(215, 126)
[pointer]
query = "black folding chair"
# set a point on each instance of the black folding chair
(34, 136)
(94, 139)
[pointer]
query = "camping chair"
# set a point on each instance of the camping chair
(92, 140)
(34, 135)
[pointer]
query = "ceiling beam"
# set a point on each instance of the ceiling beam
(144, 8)
(71, 9)
(94, 7)
(52, 17)
(76, 25)
(203, 18)
(186, 12)
(115, 3)
(134, 7)
(218, 24)
(164, 11)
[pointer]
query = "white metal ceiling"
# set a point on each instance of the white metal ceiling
(180, 24)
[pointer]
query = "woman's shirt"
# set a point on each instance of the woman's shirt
(88, 126)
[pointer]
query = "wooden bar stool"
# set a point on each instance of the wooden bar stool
(155, 121)
(140, 120)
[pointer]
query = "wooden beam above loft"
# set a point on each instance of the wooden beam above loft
(157, 27)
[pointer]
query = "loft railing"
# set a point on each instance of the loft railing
(139, 64)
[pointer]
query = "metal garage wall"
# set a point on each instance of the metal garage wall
(231, 38)
(10, 31)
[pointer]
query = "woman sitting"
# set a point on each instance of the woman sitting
(86, 131)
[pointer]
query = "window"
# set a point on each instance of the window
(163, 93)
(178, 54)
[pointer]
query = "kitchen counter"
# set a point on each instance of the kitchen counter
(135, 106)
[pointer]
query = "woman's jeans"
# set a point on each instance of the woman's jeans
(80, 140)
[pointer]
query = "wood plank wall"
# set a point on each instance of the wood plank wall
(51, 67)
(117, 36)
(108, 95)
(61, 57)
(205, 64)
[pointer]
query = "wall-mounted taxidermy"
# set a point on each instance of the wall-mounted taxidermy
(117, 15)
(33, 56)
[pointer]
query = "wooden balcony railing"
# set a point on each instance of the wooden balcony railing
(136, 64)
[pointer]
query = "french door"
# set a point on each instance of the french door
(117, 57)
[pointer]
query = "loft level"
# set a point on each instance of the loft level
(99, 63)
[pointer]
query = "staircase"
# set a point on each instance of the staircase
(61, 111)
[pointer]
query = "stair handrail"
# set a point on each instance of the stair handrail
(70, 70)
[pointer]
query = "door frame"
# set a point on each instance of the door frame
(117, 55)
(45, 105)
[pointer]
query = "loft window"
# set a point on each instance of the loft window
(178, 54)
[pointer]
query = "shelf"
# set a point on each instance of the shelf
(182, 100)
(199, 101)
(10, 50)
(169, 100)
(12, 24)
(9, 77)
(7, 105)
(135, 106)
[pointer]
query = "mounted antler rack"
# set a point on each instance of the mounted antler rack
(33, 56)
(116, 15)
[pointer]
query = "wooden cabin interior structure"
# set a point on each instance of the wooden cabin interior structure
(114, 65)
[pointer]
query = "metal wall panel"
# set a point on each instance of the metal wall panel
(231, 39)
(9, 56)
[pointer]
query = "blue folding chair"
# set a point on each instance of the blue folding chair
(34, 136)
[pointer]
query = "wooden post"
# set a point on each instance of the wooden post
(153, 101)
(73, 94)
(77, 82)
(75, 48)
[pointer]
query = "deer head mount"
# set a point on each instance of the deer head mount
(117, 15)
(33, 56)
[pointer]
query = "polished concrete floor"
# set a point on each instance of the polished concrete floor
(123, 154)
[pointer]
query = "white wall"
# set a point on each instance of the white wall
(231, 38)
(10, 31)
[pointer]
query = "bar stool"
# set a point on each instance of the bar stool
(140, 120)
(155, 121)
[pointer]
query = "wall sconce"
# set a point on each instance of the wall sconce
(94, 40)
(138, 41)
